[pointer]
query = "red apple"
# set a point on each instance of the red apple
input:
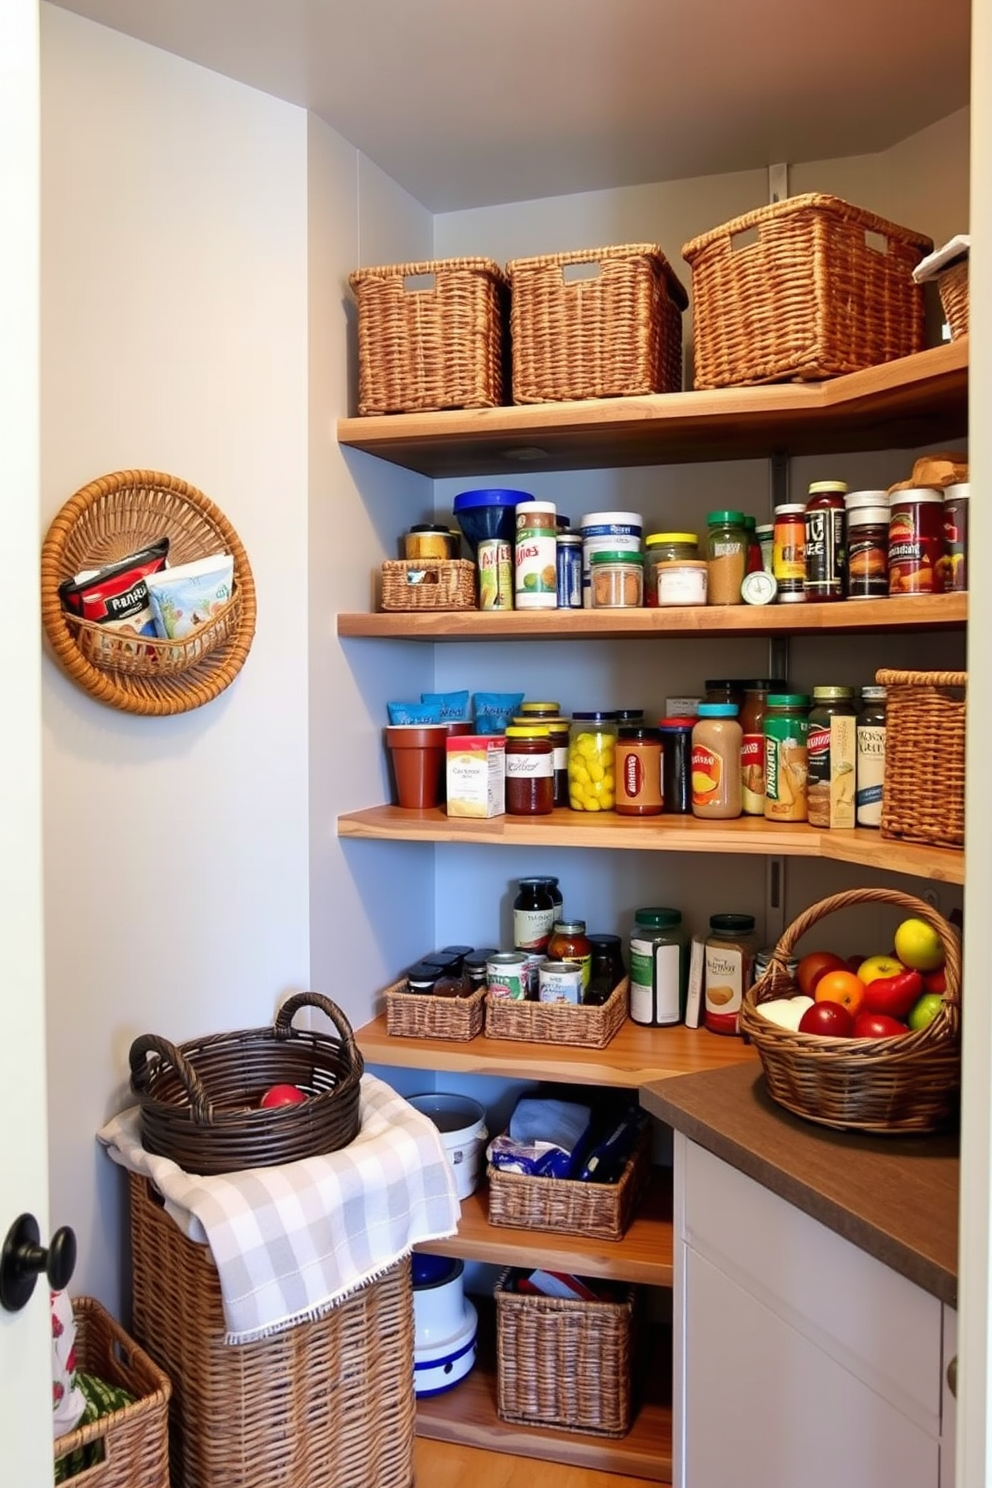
(282, 1095)
(877, 1026)
(893, 995)
(813, 966)
(853, 962)
(935, 981)
(828, 1019)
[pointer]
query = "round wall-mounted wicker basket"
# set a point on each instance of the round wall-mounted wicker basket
(104, 522)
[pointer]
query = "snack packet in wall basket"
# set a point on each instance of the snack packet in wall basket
(189, 595)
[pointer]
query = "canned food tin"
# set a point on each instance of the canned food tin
(535, 585)
(955, 560)
(495, 574)
(507, 975)
(762, 960)
(568, 554)
(559, 981)
(916, 542)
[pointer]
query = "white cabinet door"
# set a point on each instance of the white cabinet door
(948, 1408)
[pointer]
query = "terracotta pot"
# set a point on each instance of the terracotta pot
(417, 755)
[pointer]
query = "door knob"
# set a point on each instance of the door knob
(23, 1259)
(952, 1376)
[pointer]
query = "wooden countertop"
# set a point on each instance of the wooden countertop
(894, 1197)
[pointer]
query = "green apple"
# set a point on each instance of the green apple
(924, 1011)
(918, 946)
(879, 966)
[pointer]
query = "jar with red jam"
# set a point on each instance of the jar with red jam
(530, 779)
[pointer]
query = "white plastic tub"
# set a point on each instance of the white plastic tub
(462, 1124)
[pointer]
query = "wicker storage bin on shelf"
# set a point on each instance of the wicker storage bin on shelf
(585, 1027)
(430, 335)
(923, 784)
(597, 323)
(105, 521)
(428, 584)
(824, 288)
(904, 1084)
(563, 1363)
(954, 297)
(199, 1100)
(326, 1404)
(602, 1211)
(420, 1015)
(133, 1443)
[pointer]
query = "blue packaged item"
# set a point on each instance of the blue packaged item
(493, 711)
(532, 1159)
(414, 712)
(453, 705)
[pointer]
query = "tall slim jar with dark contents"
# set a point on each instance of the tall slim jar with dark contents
(826, 542)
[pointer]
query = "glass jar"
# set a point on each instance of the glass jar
(558, 729)
(617, 580)
(724, 690)
(539, 712)
(530, 782)
(659, 968)
(665, 547)
(831, 758)
(535, 576)
(754, 561)
(726, 557)
(592, 743)
(475, 966)
(752, 721)
(789, 552)
(956, 537)
(568, 559)
(533, 915)
(871, 757)
(555, 891)
(638, 771)
(628, 716)
(786, 729)
(569, 943)
(826, 542)
(676, 764)
(867, 544)
(728, 960)
(716, 762)
(765, 533)
(916, 542)
(606, 969)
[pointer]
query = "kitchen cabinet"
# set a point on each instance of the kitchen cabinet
(919, 400)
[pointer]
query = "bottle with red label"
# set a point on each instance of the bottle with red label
(638, 771)
(916, 542)
(752, 721)
(716, 762)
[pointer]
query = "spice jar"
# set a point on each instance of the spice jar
(831, 758)
(726, 557)
(916, 542)
(789, 552)
(659, 968)
(728, 960)
(533, 915)
(668, 550)
(535, 579)
(568, 562)
(638, 771)
(867, 544)
(752, 721)
(569, 942)
(676, 764)
(558, 734)
(716, 762)
(606, 968)
(955, 559)
(617, 580)
(826, 541)
(786, 728)
(871, 757)
(683, 582)
(530, 783)
(592, 742)
(607, 531)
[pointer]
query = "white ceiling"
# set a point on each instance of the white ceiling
(466, 104)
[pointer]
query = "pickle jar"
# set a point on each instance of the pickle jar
(530, 780)
(592, 744)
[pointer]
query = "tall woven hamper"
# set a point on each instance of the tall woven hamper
(327, 1404)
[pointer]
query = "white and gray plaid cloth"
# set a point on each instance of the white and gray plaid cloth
(291, 1242)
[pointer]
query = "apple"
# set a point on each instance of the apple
(935, 981)
(281, 1095)
(923, 1012)
(842, 987)
(893, 995)
(828, 1020)
(878, 1026)
(812, 967)
(919, 946)
(879, 966)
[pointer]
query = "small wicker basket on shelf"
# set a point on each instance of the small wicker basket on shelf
(428, 584)
(603, 1211)
(420, 1015)
(908, 1083)
(954, 297)
(585, 1026)
(923, 785)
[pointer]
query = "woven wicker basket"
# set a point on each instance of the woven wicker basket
(199, 1101)
(436, 343)
(134, 1440)
(428, 584)
(585, 1027)
(825, 288)
(923, 784)
(419, 1015)
(904, 1084)
(105, 521)
(602, 1211)
(326, 1404)
(614, 334)
(954, 297)
(563, 1363)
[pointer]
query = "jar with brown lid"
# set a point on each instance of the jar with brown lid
(716, 762)
(530, 781)
(638, 771)
(569, 942)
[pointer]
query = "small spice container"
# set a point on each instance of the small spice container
(428, 541)
(786, 729)
(684, 581)
(662, 549)
(765, 533)
(592, 746)
(867, 544)
(716, 762)
(726, 557)
(638, 771)
(530, 782)
(676, 763)
(568, 557)
(617, 580)
(569, 943)
(916, 542)
(535, 576)
(826, 541)
(955, 560)
(607, 531)
(789, 552)
(728, 960)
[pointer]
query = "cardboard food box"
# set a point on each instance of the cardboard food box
(476, 775)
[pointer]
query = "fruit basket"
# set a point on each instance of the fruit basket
(906, 1083)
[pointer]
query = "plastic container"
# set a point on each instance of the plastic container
(716, 762)
(445, 1325)
(462, 1124)
(592, 743)
(665, 547)
(726, 556)
(614, 531)
(617, 580)
(638, 771)
(487, 514)
(659, 968)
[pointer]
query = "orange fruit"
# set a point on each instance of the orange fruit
(843, 987)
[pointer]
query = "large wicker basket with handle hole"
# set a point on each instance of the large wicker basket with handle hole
(908, 1083)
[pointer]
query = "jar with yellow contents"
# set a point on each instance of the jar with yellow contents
(592, 744)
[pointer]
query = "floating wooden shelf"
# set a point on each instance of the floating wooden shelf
(915, 401)
(746, 835)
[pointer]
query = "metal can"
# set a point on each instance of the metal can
(916, 542)
(762, 961)
(507, 974)
(568, 555)
(560, 981)
(535, 582)
(955, 560)
(785, 729)
(495, 562)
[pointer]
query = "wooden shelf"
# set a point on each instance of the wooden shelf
(635, 1056)
(917, 400)
(643, 1255)
(747, 835)
(911, 612)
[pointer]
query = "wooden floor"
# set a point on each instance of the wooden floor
(448, 1465)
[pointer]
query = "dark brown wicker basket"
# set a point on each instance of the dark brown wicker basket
(923, 783)
(908, 1083)
(199, 1100)
(602, 1211)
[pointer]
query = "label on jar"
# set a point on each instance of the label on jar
(868, 563)
(533, 766)
(638, 777)
(707, 772)
(532, 928)
(495, 575)
(725, 970)
(830, 772)
(825, 554)
(655, 983)
(536, 574)
(785, 770)
(871, 772)
(916, 539)
(789, 552)
(753, 774)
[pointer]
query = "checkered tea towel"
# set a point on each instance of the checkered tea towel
(290, 1242)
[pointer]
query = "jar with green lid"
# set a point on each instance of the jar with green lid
(726, 557)
(592, 744)
(617, 580)
(831, 748)
(659, 968)
(728, 963)
(785, 729)
(665, 547)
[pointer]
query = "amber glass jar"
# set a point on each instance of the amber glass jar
(530, 780)
(569, 942)
(638, 771)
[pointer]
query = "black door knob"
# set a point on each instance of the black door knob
(23, 1260)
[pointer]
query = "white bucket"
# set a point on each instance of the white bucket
(462, 1124)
